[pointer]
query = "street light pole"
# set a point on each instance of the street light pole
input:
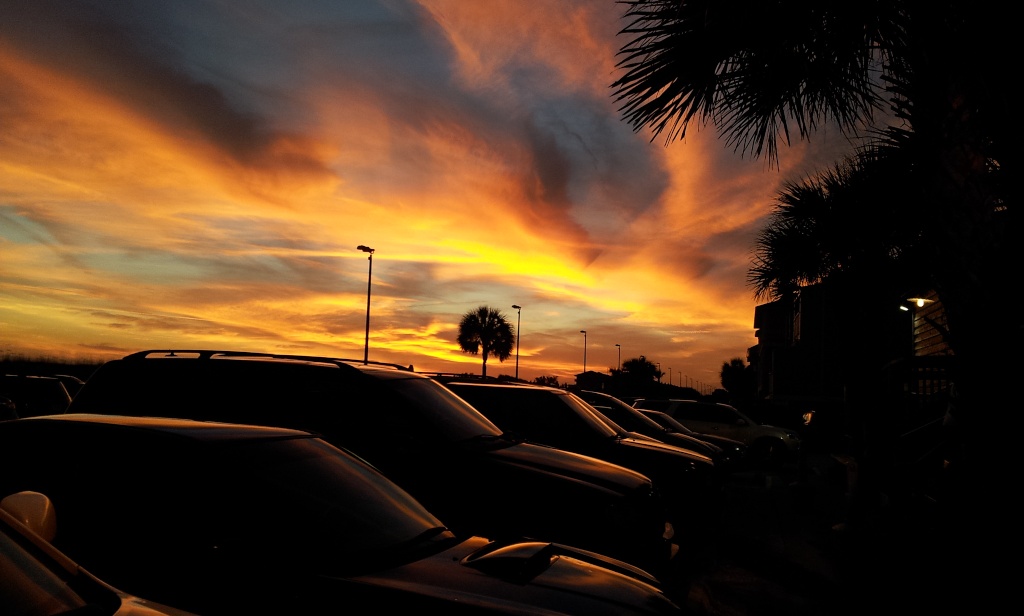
(519, 316)
(619, 348)
(369, 277)
(584, 332)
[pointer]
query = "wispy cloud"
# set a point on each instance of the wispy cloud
(198, 173)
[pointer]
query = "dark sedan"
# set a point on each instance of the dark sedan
(231, 519)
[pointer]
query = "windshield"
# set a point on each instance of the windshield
(624, 415)
(450, 415)
(671, 423)
(266, 502)
(27, 581)
(593, 416)
(740, 414)
(304, 497)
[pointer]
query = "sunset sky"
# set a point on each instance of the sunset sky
(198, 174)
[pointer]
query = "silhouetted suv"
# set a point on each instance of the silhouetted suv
(226, 519)
(432, 443)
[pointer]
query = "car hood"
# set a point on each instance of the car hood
(526, 578)
(678, 439)
(631, 442)
(580, 468)
(723, 442)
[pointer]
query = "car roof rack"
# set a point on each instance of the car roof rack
(207, 354)
(465, 377)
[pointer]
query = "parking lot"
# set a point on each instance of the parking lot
(783, 548)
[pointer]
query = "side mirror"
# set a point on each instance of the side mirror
(34, 511)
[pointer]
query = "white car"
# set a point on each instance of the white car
(764, 442)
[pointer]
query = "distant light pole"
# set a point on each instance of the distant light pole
(619, 348)
(369, 277)
(584, 332)
(670, 375)
(519, 316)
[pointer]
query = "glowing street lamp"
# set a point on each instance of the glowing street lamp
(519, 316)
(584, 332)
(369, 277)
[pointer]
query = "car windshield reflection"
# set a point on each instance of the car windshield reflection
(299, 497)
(599, 422)
(452, 417)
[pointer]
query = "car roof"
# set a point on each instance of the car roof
(211, 354)
(461, 383)
(186, 428)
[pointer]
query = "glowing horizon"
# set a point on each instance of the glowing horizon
(198, 175)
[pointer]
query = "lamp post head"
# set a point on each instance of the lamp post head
(365, 248)
(517, 307)
(583, 331)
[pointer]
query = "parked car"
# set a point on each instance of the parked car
(766, 443)
(7, 409)
(665, 420)
(36, 579)
(233, 519)
(34, 395)
(431, 442)
(728, 454)
(71, 383)
(558, 418)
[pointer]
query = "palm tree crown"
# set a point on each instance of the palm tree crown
(486, 331)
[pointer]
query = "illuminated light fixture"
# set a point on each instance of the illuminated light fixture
(519, 316)
(584, 332)
(369, 277)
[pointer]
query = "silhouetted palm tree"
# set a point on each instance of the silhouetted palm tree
(758, 70)
(854, 231)
(857, 221)
(739, 380)
(486, 331)
(754, 69)
(639, 375)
